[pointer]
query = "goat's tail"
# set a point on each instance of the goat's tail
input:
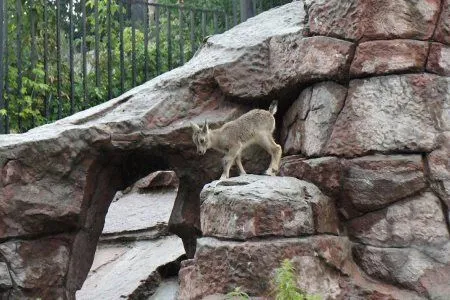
(273, 107)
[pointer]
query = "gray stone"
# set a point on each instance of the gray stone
(415, 222)
(298, 111)
(286, 60)
(324, 172)
(405, 267)
(397, 113)
(158, 180)
(373, 182)
(442, 32)
(256, 206)
(37, 264)
(370, 20)
(439, 59)
(5, 277)
(327, 100)
(322, 266)
(119, 269)
(387, 57)
(310, 120)
(438, 163)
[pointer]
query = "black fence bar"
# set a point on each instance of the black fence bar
(46, 95)
(158, 40)
(83, 52)
(33, 55)
(234, 9)
(133, 52)
(109, 51)
(146, 32)
(216, 28)
(203, 24)
(225, 17)
(192, 32)
(181, 28)
(2, 66)
(121, 50)
(97, 44)
(169, 39)
(71, 68)
(58, 56)
(19, 62)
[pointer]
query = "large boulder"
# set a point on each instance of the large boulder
(387, 57)
(252, 206)
(397, 113)
(373, 182)
(375, 20)
(442, 32)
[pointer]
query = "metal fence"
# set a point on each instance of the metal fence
(62, 56)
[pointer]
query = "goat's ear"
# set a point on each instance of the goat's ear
(195, 127)
(205, 127)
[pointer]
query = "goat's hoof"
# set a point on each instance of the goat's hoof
(270, 173)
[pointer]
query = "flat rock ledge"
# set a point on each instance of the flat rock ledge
(252, 206)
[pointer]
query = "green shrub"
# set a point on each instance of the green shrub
(237, 293)
(285, 284)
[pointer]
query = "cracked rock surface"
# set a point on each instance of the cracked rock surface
(364, 118)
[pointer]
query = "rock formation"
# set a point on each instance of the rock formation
(364, 99)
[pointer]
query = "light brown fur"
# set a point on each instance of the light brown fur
(254, 127)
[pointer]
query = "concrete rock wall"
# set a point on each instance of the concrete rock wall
(363, 89)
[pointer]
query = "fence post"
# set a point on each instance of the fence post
(2, 68)
(247, 10)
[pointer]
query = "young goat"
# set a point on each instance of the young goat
(254, 127)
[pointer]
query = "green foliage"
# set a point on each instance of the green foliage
(285, 284)
(237, 293)
(32, 78)
(31, 86)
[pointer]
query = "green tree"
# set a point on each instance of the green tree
(32, 78)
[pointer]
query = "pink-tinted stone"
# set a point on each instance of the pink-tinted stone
(38, 264)
(405, 267)
(396, 113)
(158, 179)
(251, 206)
(325, 172)
(373, 182)
(220, 266)
(442, 33)
(285, 61)
(438, 163)
(323, 266)
(387, 57)
(370, 19)
(310, 119)
(439, 59)
(417, 221)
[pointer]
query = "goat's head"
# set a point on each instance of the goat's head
(200, 136)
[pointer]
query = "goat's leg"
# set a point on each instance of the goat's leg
(228, 161)
(268, 143)
(239, 164)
